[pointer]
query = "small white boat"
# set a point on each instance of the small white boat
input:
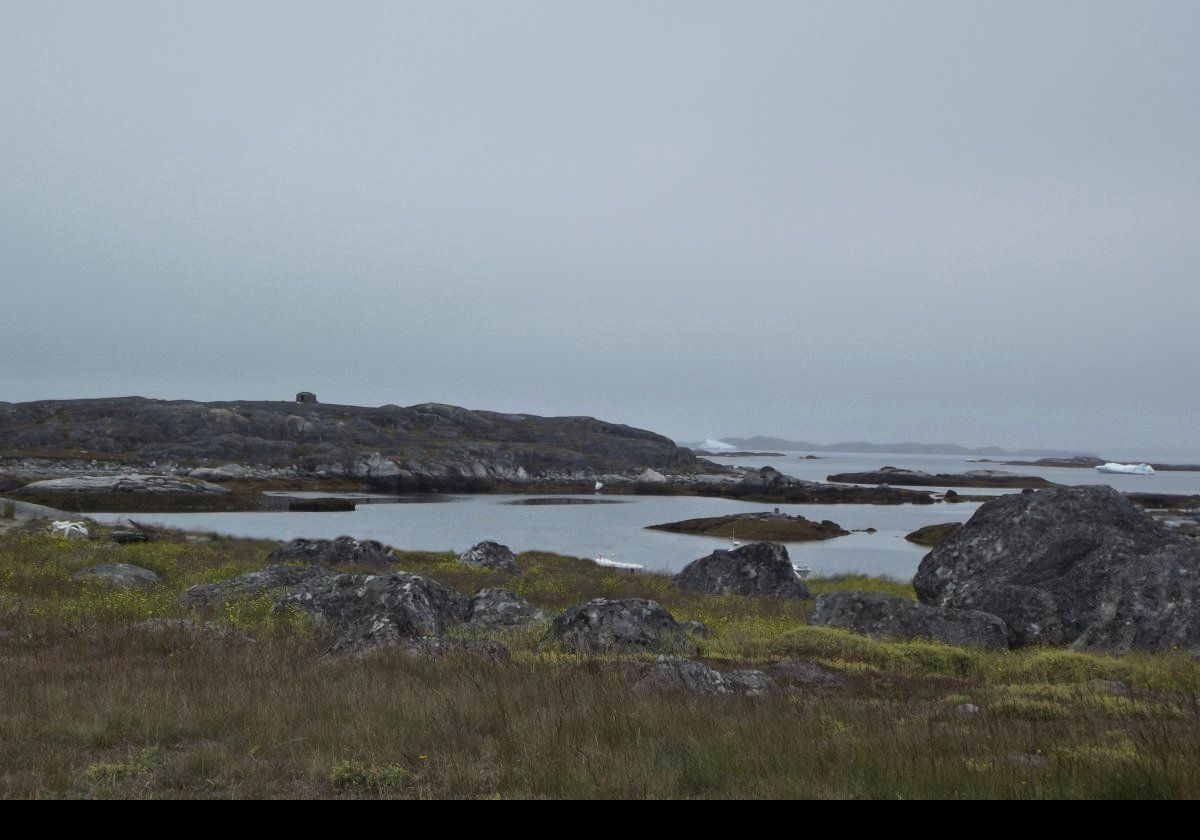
(1126, 469)
(610, 562)
(802, 572)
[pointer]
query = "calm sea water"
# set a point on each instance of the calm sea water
(619, 530)
(585, 530)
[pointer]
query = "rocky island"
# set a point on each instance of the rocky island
(916, 478)
(775, 527)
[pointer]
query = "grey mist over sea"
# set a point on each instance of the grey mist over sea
(929, 221)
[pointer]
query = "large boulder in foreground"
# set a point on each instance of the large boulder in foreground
(891, 617)
(344, 551)
(490, 555)
(759, 569)
(1079, 566)
(625, 625)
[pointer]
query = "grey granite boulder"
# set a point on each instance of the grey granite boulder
(119, 576)
(343, 551)
(619, 625)
(1080, 566)
(759, 569)
(502, 609)
(490, 555)
(414, 605)
(891, 617)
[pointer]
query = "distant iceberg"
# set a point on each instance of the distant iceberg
(711, 445)
(1126, 469)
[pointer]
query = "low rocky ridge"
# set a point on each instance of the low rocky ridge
(931, 535)
(671, 673)
(892, 617)
(1164, 501)
(1090, 462)
(421, 447)
(619, 625)
(255, 583)
(119, 576)
(759, 569)
(893, 476)
(154, 485)
(770, 485)
(343, 551)
(490, 555)
(1079, 566)
(779, 527)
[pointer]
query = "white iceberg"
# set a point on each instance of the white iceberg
(711, 445)
(1126, 469)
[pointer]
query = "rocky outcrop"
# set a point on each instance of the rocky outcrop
(778, 527)
(625, 625)
(343, 551)
(367, 611)
(802, 674)
(894, 476)
(501, 609)
(932, 535)
(119, 576)
(891, 617)
(758, 570)
(264, 580)
(422, 447)
(490, 555)
(673, 674)
(414, 606)
(380, 632)
(157, 485)
(1081, 566)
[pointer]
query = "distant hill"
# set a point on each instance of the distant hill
(762, 442)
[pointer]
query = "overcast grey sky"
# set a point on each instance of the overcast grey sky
(960, 221)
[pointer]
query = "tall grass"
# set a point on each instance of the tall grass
(90, 705)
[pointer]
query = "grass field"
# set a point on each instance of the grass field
(92, 706)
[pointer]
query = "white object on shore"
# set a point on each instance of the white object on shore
(1126, 469)
(802, 572)
(67, 528)
(611, 563)
(711, 445)
(599, 486)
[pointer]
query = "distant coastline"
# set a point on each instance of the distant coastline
(760, 442)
